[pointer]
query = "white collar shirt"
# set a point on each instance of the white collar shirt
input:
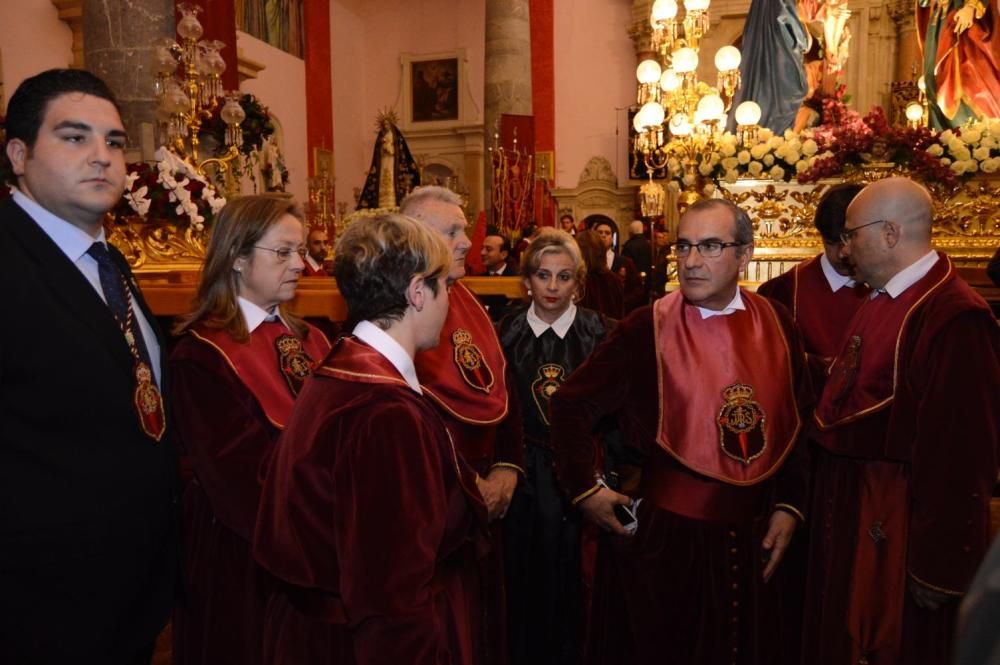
(390, 349)
(908, 276)
(560, 326)
(313, 263)
(254, 314)
(834, 278)
(734, 305)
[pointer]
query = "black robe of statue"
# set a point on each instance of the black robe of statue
(406, 175)
(542, 531)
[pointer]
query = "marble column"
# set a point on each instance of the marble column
(508, 68)
(909, 61)
(118, 39)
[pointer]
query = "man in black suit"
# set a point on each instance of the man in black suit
(87, 471)
(496, 257)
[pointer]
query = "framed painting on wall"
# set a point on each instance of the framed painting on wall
(434, 91)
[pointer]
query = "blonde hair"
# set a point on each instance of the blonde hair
(240, 225)
(375, 260)
(553, 241)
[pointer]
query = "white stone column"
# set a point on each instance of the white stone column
(508, 68)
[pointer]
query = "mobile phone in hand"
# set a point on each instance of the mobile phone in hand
(626, 515)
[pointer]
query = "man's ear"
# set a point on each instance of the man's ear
(893, 232)
(746, 256)
(17, 153)
(416, 292)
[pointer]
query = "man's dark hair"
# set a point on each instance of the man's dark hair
(30, 101)
(743, 231)
(504, 240)
(831, 211)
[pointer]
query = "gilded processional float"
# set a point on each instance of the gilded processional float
(775, 131)
(772, 134)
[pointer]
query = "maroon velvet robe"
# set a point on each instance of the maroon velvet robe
(366, 514)
(228, 423)
(486, 427)
(904, 475)
(821, 314)
(682, 590)
(603, 292)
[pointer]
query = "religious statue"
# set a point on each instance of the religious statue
(393, 172)
(772, 70)
(386, 183)
(960, 40)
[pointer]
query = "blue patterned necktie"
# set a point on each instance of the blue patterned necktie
(113, 285)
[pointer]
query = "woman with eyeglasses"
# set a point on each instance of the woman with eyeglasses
(240, 363)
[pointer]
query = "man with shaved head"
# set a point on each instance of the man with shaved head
(908, 426)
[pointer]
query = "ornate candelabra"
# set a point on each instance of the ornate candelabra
(188, 89)
(513, 184)
(675, 107)
(321, 200)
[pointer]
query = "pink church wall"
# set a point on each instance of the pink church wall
(32, 39)
(594, 65)
(281, 86)
(368, 38)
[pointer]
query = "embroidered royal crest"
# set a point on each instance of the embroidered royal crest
(846, 371)
(741, 424)
(550, 378)
(293, 361)
(471, 362)
(148, 403)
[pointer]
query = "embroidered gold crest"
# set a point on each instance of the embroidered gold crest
(741, 424)
(846, 371)
(148, 402)
(471, 362)
(293, 361)
(550, 378)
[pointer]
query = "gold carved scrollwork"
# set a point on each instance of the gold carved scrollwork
(156, 245)
(782, 217)
(966, 224)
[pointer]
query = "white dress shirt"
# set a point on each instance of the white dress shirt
(254, 314)
(381, 341)
(313, 263)
(560, 326)
(74, 243)
(735, 304)
(834, 278)
(908, 276)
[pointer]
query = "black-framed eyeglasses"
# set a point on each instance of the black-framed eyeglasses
(847, 234)
(285, 253)
(709, 249)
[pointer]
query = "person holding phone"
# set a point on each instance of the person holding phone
(708, 383)
(367, 511)
(544, 343)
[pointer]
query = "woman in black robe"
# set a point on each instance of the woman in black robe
(544, 342)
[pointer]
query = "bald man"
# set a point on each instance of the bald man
(908, 426)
